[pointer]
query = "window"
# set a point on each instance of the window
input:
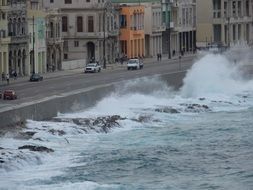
(64, 24)
(68, 1)
(123, 21)
(87, 1)
(79, 23)
(51, 1)
(65, 56)
(76, 43)
(90, 24)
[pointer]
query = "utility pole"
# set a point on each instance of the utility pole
(33, 48)
(169, 52)
(168, 10)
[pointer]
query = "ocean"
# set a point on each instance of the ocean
(144, 136)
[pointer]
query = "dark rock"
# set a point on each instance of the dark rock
(1, 148)
(201, 99)
(27, 135)
(99, 124)
(226, 102)
(38, 139)
(195, 107)
(167, 110)
(57, 132)
(36, 148)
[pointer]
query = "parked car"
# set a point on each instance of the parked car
(36, 77)
(92, 68)
(9, 94)
(134, 64)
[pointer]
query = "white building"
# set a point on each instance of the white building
(86, 25)
(54, 40)
(224, 22)
(153, 28)
(183, 26)
(4, 38)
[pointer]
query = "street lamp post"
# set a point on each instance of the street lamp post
(104, 66)
(107, 5)
(33, 53)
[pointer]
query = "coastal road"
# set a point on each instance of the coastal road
(31, 91)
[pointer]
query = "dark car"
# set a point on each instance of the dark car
(36, 77)
(9, 95)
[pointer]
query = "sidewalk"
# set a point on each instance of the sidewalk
(109, 67)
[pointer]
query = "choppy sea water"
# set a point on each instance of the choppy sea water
(145, 135)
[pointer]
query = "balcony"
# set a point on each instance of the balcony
(5, 40)
(113, 33)
(86, 35)
(159, 28)
(19, 39)
(53, 41)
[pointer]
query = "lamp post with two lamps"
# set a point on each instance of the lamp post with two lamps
(107, 6)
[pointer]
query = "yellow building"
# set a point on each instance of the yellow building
(4, 39)
(132, 31)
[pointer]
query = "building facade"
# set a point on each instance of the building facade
(36, 19)
(54, 41)
(88, 29)
(224, 22)
(132, 31)
(153, 28)
(4, 38)
(18, 33)
(183, 26)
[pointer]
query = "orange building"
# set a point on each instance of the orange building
(132, 31)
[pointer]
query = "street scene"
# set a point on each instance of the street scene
(126, 94)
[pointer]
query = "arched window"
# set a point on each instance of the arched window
(19, 26)
(23, 26)
(10, 27)
(14, 27)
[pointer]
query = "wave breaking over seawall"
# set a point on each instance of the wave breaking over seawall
(197, 137)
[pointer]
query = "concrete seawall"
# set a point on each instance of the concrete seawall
(69, 102)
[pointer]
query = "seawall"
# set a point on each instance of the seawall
(69, 102)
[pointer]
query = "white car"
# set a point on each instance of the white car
(134, 64)
(92, 68)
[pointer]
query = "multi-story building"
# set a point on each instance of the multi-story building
(54, 40)
(153, 28)
(224, 22)
(4, 38)
(166, 20)
(153, 25)
(183, 26)
(132, 31)
(18, 33)
(88, 29)
(36, 18)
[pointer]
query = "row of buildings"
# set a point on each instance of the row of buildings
(48, 35)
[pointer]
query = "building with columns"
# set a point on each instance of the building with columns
(89, 30)
(153, 28)
(4, 38)
(224, 22)
(18, 33)
(36, 18)
(54, 41)
(183, 26)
